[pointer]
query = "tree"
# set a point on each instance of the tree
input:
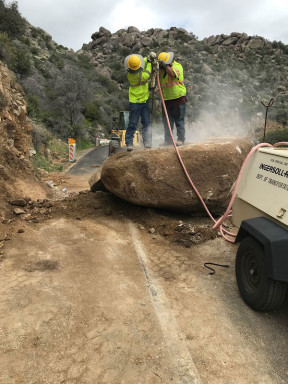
(11, 20)
(71, 91)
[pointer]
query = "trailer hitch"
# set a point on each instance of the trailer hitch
(267, 106)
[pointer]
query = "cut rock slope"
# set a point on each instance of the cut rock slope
(17, 177)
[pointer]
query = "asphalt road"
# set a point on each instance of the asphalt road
(90, 161)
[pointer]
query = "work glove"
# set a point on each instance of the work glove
(151, 57)
(162, 64)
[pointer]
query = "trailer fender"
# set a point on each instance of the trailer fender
(274, 239)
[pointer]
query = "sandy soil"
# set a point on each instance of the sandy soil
(98, 291)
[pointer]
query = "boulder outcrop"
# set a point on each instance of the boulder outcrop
(155, 178)
(241, 41)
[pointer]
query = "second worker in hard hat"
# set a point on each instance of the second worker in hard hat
(171, 78)
(138, 74)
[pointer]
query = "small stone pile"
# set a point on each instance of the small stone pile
(30, 210)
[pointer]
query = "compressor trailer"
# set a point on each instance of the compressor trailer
(260, 212)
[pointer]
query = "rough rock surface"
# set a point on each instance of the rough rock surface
(155, 178)
(16, 170)
(105, 42)
(241, 41)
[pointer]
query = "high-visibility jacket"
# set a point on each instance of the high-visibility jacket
(139, 87)
(173, 88)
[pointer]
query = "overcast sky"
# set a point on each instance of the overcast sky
(72, 22)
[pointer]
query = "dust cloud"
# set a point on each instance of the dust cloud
(223, 115)
(208, 125)
(158, 134)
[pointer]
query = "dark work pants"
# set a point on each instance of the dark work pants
(176, 115)
(137, 110)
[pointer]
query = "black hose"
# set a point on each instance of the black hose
(212, 269)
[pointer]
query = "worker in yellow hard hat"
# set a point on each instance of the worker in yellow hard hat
(138, 74)
(171, 78)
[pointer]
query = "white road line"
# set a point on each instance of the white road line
(184, 367)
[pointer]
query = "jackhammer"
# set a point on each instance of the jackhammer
(155, 70)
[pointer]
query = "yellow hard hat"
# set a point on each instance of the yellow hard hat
(134, 63)
(166, 57)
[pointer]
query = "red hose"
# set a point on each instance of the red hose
(228, 211)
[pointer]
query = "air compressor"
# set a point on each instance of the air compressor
(260, 211)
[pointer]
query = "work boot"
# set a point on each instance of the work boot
(165, 144)
(179, 143)
(147, 145)
(129, 148)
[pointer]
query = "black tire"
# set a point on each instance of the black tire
(257, 290)
(113, 145)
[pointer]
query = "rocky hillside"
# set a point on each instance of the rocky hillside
(78, 93)
(224, 75)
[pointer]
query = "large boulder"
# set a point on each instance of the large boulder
(256, 42)
(155, 178)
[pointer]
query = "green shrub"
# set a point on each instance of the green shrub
(6, 48)
(22, 64)
(109, 84)
(91, 111)
(183, 38)
(51, 93)
(42, 68)
(116, 65)
(49, 46)
(33, 107)
(47, 38)
(26, 41)
(124, 51)
(35, 32)
(119, 76)
(83, 143)
(85, 62)
(273, 137)
(34, 50)
(40, 161)
(17, 59)
(279, 44)
(40, 137)
(185, 50)
(282, 117)
(59, 148)
(57, 60)
(11, 22)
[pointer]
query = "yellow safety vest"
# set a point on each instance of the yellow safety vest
(139, 87)
(173, 88)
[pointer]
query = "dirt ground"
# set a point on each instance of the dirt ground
(98, 291)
